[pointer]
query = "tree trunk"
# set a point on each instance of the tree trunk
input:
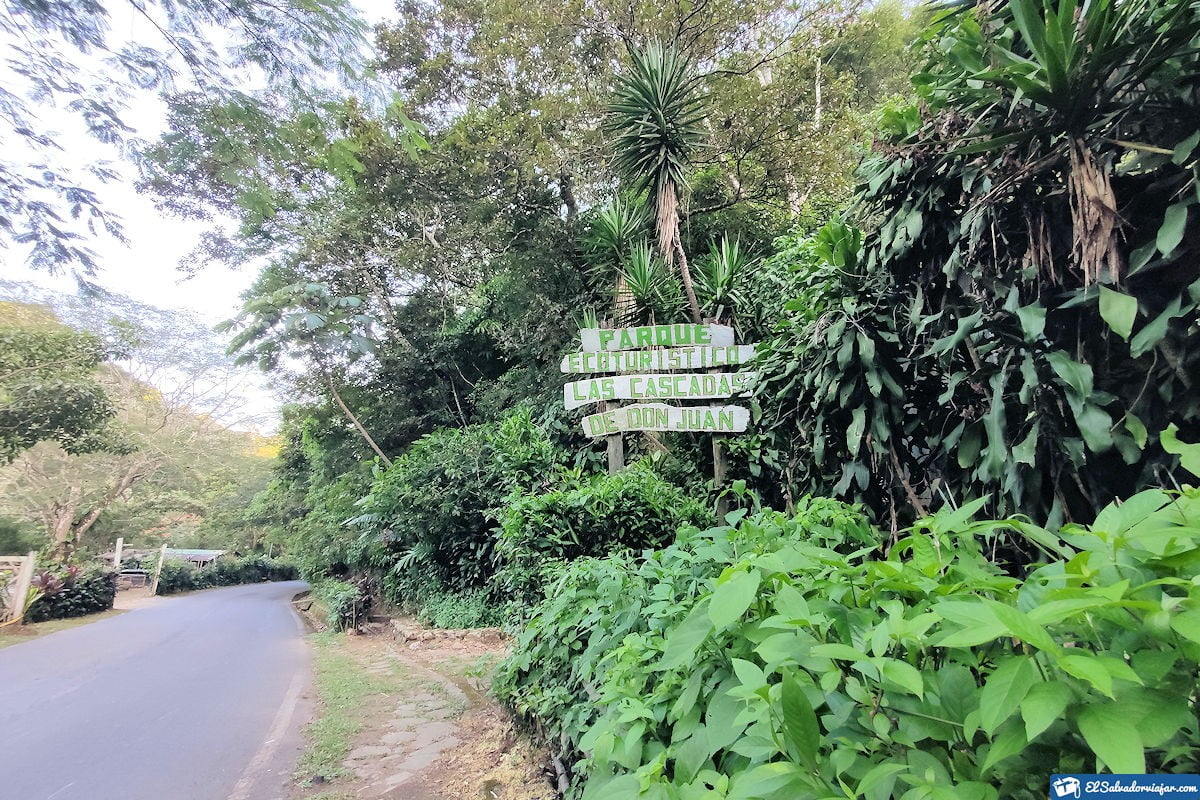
(337, 398)
(566, 192)
(61, 516)
(119, 488)
(670, 240)
(686, 275)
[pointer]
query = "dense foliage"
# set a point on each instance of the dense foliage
(995, 316)
(48, 384)
(346, 604)
(1019, 319)
(431, 514)
(586, 516)
(182, 576)
(787, 656)
(71, 592)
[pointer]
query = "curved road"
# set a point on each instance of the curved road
(194, 698)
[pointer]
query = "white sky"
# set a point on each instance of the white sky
(147, 269)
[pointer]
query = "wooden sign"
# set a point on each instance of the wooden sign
(661, 417)
(699, 357)
(656, 387)
(609, 339)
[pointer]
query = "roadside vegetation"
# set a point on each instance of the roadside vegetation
(955, 552)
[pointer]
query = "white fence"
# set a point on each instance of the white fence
(16, 575)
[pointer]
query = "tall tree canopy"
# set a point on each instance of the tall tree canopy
(65, 61)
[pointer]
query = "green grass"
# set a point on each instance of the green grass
(15, 634)
(341, 683)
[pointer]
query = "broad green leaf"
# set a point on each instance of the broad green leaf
(949, 520)
(877, 776)
(763, 780)
(903, 674)
(691, 755)
(1189, 454)
(1158, 715)
(800, 721)
(1170, 233)
(1044, 704)
(1007, 744)
(1119, 311)
(621, 787)
(1153, 331)
(1022, 627)
(843, 652)
(1033, 321)
(858, 426)
(720, 718)
(1137, 429)
(683, 642)
(1004, 690)
(1095, 425)
(1088, 668)
(749, 674)
(1107, 730)
(1077, 376)
(1187, 625)
(731, 598)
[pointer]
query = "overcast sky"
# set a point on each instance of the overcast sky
(147, 269)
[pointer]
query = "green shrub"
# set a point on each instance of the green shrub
(72, 593)
(781, 658)
(181, 576)
(176, 576)
(469, 609)
(430, 512)
(583, 516)
(346, 603)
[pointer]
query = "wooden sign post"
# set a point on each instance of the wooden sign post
(648, 376)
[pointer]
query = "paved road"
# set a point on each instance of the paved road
(196, 698)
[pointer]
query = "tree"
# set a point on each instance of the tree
(64, 56)
(49, 389)
(657, 120)
(306, 321)
(168, 449)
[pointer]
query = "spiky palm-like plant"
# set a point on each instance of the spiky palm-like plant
(657, 123)
(719, 276)
(651, 287)
(616, 229)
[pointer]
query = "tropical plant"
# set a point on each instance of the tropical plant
(71, 592)
(991, 337)
(656, 120)
(430, 515)
(720, 277)
(585, 516)
(787, 657)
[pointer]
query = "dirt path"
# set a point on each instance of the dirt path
(425, 730)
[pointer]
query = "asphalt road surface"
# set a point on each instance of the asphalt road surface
(198, 697)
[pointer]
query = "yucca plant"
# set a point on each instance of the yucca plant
(1060, 79)
(657, 123)
(652, 289)
(719, 276)
(615, 230)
